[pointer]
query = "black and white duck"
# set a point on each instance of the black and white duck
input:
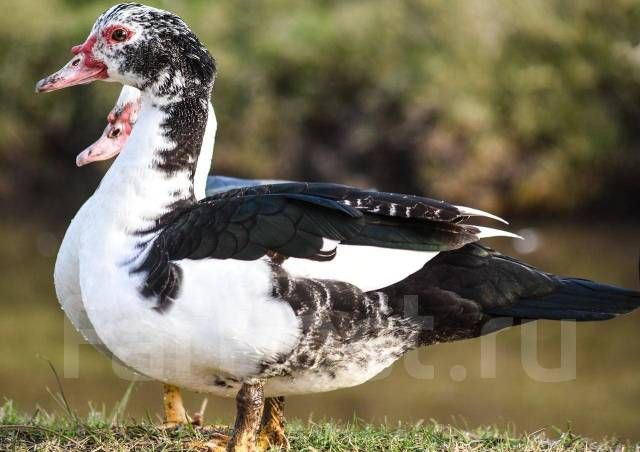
(120, 122)
(270, 290)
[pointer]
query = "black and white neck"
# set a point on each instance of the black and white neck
(154, 175)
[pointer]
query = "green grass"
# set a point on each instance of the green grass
(102, 431)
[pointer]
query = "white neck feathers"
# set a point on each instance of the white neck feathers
(134, 192)
(206, 154)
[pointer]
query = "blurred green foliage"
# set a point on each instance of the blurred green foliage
(530, 107)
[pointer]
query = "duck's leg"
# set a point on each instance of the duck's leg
(272, 425)
(174, 412)
(249, 406)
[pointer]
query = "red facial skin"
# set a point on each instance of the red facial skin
(113, 138)
(84, 67)
(87, 50)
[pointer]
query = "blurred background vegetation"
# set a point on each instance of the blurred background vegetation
(528, 109)
(519, 107)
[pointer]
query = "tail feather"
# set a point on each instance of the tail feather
(474, 290)
(575, 299)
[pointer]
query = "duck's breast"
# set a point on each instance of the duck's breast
(67, 281)
(224, 320)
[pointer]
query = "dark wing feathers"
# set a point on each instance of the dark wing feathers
(247, 227)
(573, 298)
(379, 203)
(292, 219)
(474, 291)
(413, 234)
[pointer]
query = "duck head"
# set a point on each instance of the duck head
(120, 122)
(144, 47)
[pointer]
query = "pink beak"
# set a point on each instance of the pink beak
(82, 69)
(108, 145)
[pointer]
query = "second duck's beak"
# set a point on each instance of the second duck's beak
(108, 145)
(80, 70)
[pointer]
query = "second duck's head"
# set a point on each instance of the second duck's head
(120, 122)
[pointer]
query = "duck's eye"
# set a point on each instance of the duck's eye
(114, 133)
(119, 34)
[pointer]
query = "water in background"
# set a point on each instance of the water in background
(444, 382)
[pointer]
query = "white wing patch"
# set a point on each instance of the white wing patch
(366, 267)
(372, 268)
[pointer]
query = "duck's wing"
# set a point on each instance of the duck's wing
(371, 201)
(297, 220)
(247, 226)
(325, 231)
(401, 233)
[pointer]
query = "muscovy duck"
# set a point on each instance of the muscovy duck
(120, 122)
(240, 293)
